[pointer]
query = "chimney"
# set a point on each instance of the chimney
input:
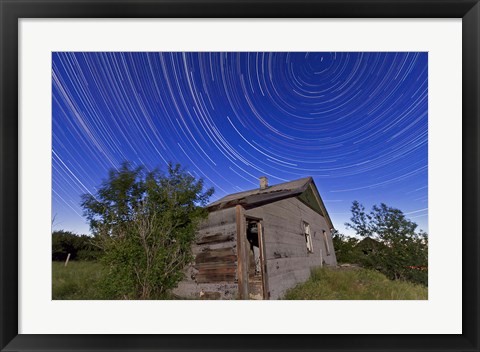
(263, 182)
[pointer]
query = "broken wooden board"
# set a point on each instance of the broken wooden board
(216, 238)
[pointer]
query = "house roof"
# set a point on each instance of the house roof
(369, 242)
(258, 196)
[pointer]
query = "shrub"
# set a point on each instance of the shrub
(145, 223)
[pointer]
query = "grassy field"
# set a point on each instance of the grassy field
(355, 284)
(79, 280)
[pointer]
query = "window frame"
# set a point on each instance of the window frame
(307, 232)
(327, 245)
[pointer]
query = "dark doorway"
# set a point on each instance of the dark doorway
(254, 260)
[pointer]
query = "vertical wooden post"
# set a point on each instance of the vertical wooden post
(66, 261)
(242, 271)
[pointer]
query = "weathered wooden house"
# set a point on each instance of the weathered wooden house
(256, 244)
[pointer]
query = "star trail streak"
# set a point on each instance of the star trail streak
(356, 122)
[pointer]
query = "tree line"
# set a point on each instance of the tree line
(80, 247)
(387, 241)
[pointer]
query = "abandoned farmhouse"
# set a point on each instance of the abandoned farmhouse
(259, 243)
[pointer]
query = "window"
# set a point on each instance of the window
(308, 237)
(325, 238)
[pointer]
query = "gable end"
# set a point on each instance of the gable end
(308, 198)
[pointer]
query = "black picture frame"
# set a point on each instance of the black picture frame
(12, 11)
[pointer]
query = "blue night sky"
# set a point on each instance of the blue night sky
(356, 122)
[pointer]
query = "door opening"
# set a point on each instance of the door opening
(255, 260)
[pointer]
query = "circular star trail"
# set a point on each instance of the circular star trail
(356, 122)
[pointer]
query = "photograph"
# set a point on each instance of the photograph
(307, 169)
(239, 175)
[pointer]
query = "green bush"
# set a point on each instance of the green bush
(145, 223)
(345, 248)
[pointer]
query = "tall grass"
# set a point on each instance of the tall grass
(357, 284)
(78, 280)
(81, 281)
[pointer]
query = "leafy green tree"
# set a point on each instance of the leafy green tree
(360, 220)
(63, 242)
(345, 247)
(390, 224)
(145, 223)
(80, 247)
(403, 253)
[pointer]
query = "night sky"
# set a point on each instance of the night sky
(356, 122)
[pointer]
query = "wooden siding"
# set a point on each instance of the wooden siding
(216, 272)
(213, 273)
(287, 259)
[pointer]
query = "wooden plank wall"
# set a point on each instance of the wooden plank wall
(288, 261)
(213, 274)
